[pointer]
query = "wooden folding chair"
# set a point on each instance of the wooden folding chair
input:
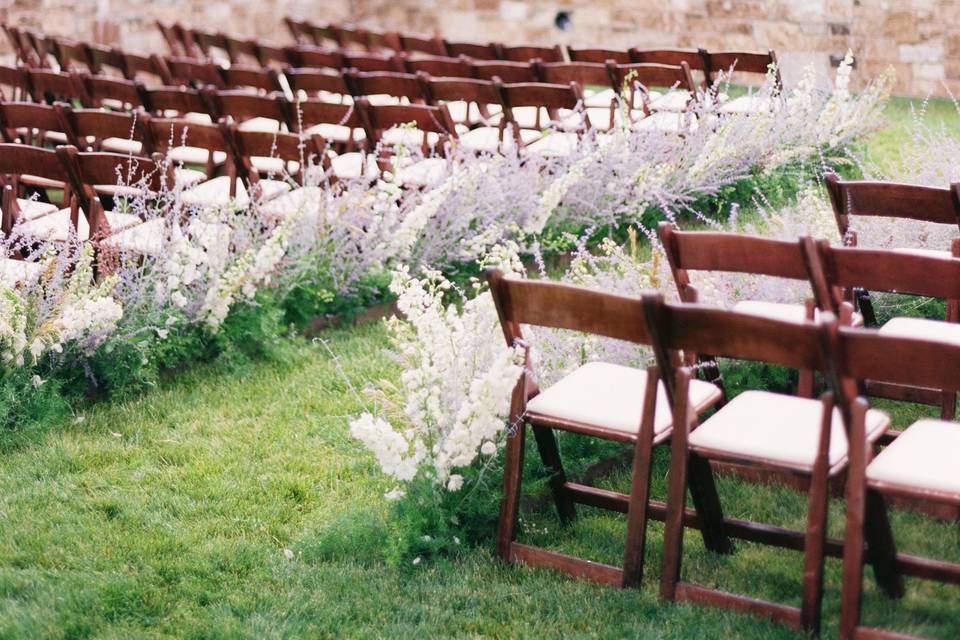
(422, 44)
(372, 62)
(838, 272)
(151, 70)
(270, 55)
(769, 432)
(438, 66)
(53, 86)
(600, 400)
(536, 106)
(654, 88)
(73, 56)
(40, 218)
(297, 29)
(600, 56)
(113, 93)
(243, 51)
(341, 127)
(313, 57)
(475, 104)
(13, 84)
(324, 84)
(473, 50)
(855, 198)
(385, 87)
(251, 77)
(755, 65)
(673, 57)
(388, 128)
(599, 94)
(172, 38)
(107, 61)
(212, 45)
(322, 35)
(505, 70)
(31, 123)
(101, 130)
(712, 251)
(188, 144)
(252, 111)
(194, 73)
(376, 40)
(525, 53)
(919, 467)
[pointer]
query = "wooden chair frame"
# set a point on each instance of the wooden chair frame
(693, 328)
(473, 50)
(17, 160)
(905, 362)
(599, 56)
(524, 53)
(560, 306)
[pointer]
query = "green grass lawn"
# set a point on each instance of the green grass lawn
(169, 515)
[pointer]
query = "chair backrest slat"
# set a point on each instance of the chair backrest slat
(524, 53)
(863, 354)
(600, 56)
(505, 70)
(474, 50)
(562, 306)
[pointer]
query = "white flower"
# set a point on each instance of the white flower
(488, 448)
(455, 483)
(416, 561)
(288, 554)
(37, 380)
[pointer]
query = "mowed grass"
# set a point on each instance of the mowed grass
(169, 516)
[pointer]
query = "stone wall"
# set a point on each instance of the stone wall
(919, 38)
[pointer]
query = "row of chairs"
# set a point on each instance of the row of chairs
(812, 441)
(344, 37)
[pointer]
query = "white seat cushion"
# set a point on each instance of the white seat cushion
(195, 155)
(216, 192)
(408, 137)
(670, 101)
(611, 396)
(336, 132)
(423, 173)
(667, 122)
(783, 429)
(556, 144)
(274, 166)
(600, 117)
(30, 209)
(122, 145)
(526, 117)
(748, 104)
(55, 227)
(14, 272)
(354, 164)
(488, 139)
(263, 125)
(923, 329)
(308, 198)
(144, 239)
(922, 457)
(188, 177)
(599, 98)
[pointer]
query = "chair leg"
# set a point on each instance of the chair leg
(673, 522)
(948, 406)
(637, 514)
(883, 549)
(853, 550)
(550, 454)
(706, 502)
(512, 474)
(813, 559)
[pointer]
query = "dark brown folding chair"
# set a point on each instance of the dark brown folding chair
(471, 103)
(388, 86)
(253, 111)
(438, 66)
(918, 468)
(106, 61)
(339, 124)
(213, 45)
(52, 86)
(644, 83)
(194, 73)
(536, 106)
(712, 251)
(473, 50)
(115, 93)
(432, 125)
(599, 93)
(188, 144)
(73, 56)
(101, 130)
(313, 57)
(372, 62)
(769, 432)
(322, 35)
(600, 400)
(523, 53)
(151, 70)
(422, 44)
(13, 84)
(838, 272)
(297, 29)
(350, 36)
(376, 40)
(270, 55)
(244, 52)
(32, 123)
(505, 70)
(252, 77)
(172, 38)
(586, 54)
(324, 84)
(40, 214)
(737, 62)
(674, 57)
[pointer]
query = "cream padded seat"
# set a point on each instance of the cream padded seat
(56, 226)
(423, 173)
(30, 208)
(353, 165)
(922, 328)
(280, 207)
(122, 145)
(922, 457)
(408, 137)
(611, 396)
(749, 104)
(263, 125)
(488, 139)
(670, 101)
(195, 156)
(14, 272)
(600, 98)
(216, 192)
(147, 238)
(336, 132)
(772, 427)
(556, 144)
